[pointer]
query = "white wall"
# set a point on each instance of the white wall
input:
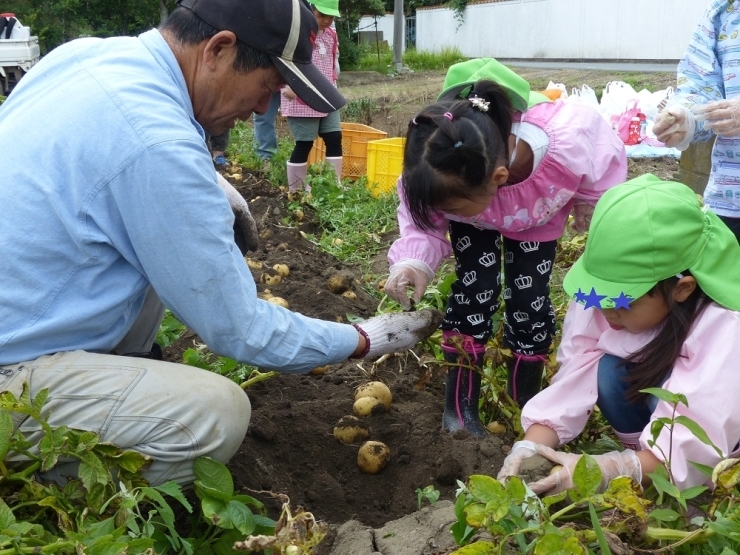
(565, 29)
(385, 25)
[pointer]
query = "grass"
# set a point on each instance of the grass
(417, 60)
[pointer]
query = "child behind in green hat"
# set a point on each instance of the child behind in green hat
(500, 168)
(656, 298)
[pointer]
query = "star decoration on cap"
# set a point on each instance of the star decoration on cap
(579, 296)
(623, 301)
(593, 300)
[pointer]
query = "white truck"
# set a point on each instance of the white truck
(19, 51)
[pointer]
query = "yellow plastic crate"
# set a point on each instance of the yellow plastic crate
(384, 164)
(355, 137)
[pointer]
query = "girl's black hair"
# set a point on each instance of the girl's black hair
(455, 158)
(652, 364)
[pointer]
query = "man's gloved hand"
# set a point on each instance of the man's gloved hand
(614, 464)
(408, 273)
(398, 331)
(722, 117)
(519, 451)
(582, 214)
(245, 228)
(675, 126)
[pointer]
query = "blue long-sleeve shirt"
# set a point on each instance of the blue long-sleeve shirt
(106, 188)
(710, 71)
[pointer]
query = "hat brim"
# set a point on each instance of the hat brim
(310, 85)
(594, 292)
(327, 11)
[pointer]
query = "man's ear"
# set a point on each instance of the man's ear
(684, 288)
(218, 48)
(500, 175)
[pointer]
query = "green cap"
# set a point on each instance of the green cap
(462, 76)
(327, 7)
(647, 230)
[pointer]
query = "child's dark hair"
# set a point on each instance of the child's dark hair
(652, 364)
(452, 149)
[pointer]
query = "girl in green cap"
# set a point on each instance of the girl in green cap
(656, 297)
(502, 178)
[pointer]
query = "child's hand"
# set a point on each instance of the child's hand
(519, 451)
(288, 93)
(675, 126)
(408, 273)
(582, 213)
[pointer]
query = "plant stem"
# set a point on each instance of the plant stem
(260, 377)
(51, 548)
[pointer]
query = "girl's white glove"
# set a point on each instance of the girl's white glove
(246, 235)
(722, 117)
(675, 126)
(614, 464)
(519, 451)
(408, 273)
(398, 331)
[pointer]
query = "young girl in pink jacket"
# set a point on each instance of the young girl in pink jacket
(501, 169)
(656, 299)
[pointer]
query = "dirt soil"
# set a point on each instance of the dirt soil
(289, 447)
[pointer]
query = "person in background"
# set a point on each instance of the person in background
(306, 123)
(653, 307)
(500, 169)
(706, 106)
(139, 219)
(265, 136)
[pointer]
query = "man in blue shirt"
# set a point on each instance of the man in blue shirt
(112, 210)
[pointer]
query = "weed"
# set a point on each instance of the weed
(200, 357)
(360, 110)
(382, 61)
(428, 493)
(170, 330)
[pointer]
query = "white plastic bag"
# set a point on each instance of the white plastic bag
(585, 95)
(558, 86)
(615, 98)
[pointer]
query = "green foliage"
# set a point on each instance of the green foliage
(2, 99)
(200, 357)
(360, 110)
(109, 508)
(242, 150)
(349, 50)
(170, 330)
(428, 493)
(458, 7)
(418, 60)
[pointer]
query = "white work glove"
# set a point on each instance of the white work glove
(408, 273)
(398, 331)
(612, 465)
(519, 451)
(675, 126)
(245, 228)
(582, 214)
(722, 117)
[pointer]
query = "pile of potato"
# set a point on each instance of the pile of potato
(370, 398)
(272, 277)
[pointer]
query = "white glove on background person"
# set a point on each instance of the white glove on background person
(722, 117)
(398, 331)
(408, 273)
(582, 214)
(519, 451)
(245, 228)
(675, 126)
(613, 465)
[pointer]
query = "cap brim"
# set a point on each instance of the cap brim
(593, 292)
(310, 85)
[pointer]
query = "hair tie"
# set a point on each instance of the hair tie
(448, 115)
(458, 144)
(479, 103)
(413, 120)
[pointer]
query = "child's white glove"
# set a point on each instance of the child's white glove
(722, 117)
(519, 451)
(408, 273)
(675, 126)
(398, 331)
(613, 465)
(246, 235)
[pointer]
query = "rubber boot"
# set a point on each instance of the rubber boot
(462, 391)
(336, 162)
(297, 177)
(524, 379)
(630, 441)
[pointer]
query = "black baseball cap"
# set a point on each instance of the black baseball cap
(284, 29)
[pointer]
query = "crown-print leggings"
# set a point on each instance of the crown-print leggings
(529, 319)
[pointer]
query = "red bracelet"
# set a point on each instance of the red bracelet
(363, 333)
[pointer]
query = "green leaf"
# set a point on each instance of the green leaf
(624, 494)
(698, 431)
(662, 394)
(586, 478)
(690, 493)
(6, 515)
(663, 485)
(132, 461)
(516, 490)
(203, 491)
(485, 488)
(92, 471)
(215, 511)
(600, 537)
(664, 515)
(249, 500)
(213, 474)
(40, 399)
(6, 433)
(475, 514)
(263, 525)
(174, 490)
(477, 548)
(241, 516)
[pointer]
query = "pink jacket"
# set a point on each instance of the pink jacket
(584, 159)
(705, 372)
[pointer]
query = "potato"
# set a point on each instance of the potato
(265, 295)
(377, 390)
(270, 277)
(254, 264)
(278, 301)
(351, 429)
(319, 370)
(381, 284)
(351, 295)
(496, 428)
(338, 284)
(336, 242)
(298, 215)
(367, 405)
(236, 176)
(373, 457)
(282, 269)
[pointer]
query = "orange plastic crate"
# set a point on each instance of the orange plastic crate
(355, 137)
(384, 164)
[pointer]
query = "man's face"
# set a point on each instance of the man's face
(223, 95)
